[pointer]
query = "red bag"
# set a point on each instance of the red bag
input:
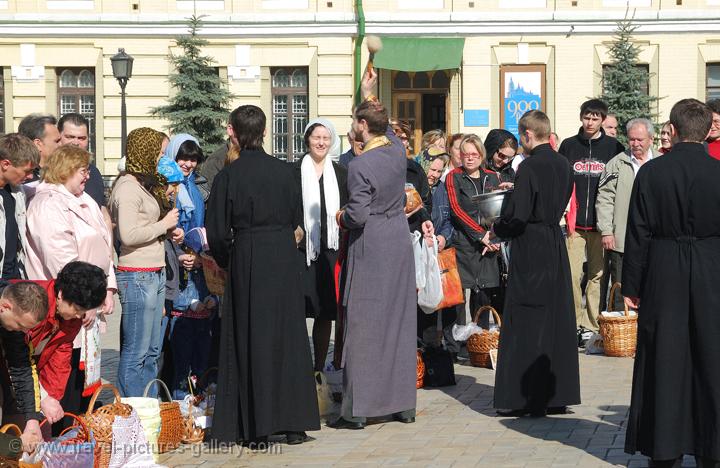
(450, 276)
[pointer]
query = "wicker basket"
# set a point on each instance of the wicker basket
(619, 334)
(214, 275)
(480, 344)
(100, 422)
(420, 371)
(172, 423)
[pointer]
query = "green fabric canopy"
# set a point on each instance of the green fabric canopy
(413, 54)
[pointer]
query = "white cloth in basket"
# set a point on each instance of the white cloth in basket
(130, 448)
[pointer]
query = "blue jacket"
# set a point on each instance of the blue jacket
(441, 212)
(192, 283)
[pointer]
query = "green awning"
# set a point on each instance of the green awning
(412, 54)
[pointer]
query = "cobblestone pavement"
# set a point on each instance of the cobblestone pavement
(456, 426)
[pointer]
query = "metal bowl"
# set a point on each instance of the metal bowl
(490, 206)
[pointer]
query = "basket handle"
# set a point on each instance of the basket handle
(97, 391)
(78, 422)
(615, 286)
(492, 310)
(14, 427)
(162, 384)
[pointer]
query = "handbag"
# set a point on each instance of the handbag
(450, 278)
(439, 367)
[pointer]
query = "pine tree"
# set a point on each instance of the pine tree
(201, 104)
(624, 82)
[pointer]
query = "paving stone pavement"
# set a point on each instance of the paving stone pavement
(456, 426)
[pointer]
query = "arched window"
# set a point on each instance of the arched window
(421, 80)
(86, 79)
(280, 79)
(68, 79)
(299, 78)
(440, 80)
(402, 81)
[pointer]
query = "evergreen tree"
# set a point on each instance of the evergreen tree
(201, 103)
(624, 82)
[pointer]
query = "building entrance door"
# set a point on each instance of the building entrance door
(422, 99)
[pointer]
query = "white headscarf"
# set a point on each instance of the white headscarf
(311, 197)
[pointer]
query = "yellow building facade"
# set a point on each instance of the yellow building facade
(295, 59)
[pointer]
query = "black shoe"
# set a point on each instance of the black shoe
(297, 438)
(342, 423)
(403, 419)
(558, 410)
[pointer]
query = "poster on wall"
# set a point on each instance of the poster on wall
(522, 89)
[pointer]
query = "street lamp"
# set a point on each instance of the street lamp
(122, 71)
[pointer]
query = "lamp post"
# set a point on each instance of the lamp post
(122, 71)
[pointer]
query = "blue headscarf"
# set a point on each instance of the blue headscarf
(189, 201)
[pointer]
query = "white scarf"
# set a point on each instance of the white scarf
(311, 206)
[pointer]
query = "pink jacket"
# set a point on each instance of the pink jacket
(61, 228)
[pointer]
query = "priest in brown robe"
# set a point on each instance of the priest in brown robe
(379, 354)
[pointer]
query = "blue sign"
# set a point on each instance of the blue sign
(477, 118)
(518, 100)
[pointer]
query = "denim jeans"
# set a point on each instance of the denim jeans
(142, 296)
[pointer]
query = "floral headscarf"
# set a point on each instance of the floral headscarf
(143, 152)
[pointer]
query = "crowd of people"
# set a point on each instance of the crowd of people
(328, 238)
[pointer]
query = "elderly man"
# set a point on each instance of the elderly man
(613, 198)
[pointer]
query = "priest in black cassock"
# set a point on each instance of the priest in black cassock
(537, 370)
(670, 270)
(265, 374)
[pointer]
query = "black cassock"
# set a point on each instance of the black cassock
(265, 374)
(672, 262)
(537, 360)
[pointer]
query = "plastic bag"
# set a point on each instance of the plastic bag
(419, 254)
(430, 296)
(334, 379)
(463, 332)
(324, 396)
(594, 345)
(62, 452)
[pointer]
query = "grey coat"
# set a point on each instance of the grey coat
(613, 198)
(379, 296)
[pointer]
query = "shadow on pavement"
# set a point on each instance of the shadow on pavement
(601, 433)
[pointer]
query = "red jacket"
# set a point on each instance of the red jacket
(53, 337)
